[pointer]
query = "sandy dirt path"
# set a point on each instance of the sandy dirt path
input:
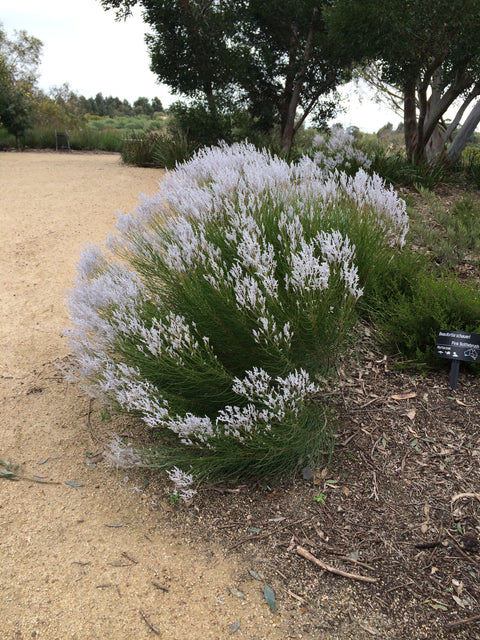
(102, 560)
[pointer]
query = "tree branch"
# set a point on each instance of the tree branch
(456, 121)
(455, 149)
(462, 80)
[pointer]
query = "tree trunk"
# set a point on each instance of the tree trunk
(288, 129)
(434, 143)
(289, 87)
(288, 132)
(210, 97)
(459, 115)
(460, 141)
(410, 118)
(435, 146)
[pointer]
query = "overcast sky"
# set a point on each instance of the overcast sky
(84, 46)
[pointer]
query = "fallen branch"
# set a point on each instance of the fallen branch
(353, 576)
(89, 421)
(458, 496)
(461, 623)
(462, 552)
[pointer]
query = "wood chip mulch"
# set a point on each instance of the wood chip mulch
(399, 504)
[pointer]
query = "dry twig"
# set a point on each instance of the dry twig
(353, 576)
(460, 623)
(266, 535)
(148, 623)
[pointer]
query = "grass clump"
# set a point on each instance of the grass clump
(422, 293)
(433, 303)
(219, 304)
(470, 165)
(140, 149)
(450, 236)
(163, 149)
(396, 169)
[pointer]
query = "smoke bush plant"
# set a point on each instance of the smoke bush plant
(338, 152)
(215, 306)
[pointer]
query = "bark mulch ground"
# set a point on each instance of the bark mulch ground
(386, 535)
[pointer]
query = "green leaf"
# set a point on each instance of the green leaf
(237, 593)
(270, 597)
(74, 483)
(414, 444)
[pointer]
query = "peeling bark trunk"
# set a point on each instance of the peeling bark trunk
(434, 143)
(435, 146)
(456, 121)
(410, 118)
(461, 139)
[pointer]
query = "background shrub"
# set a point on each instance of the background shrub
(470, 164)
(409, 324)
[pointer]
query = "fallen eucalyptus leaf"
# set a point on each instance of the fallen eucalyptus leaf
(403, 396)
(270, 597)
(74, 483)
(235, 627)
(459, 601)
(307, 473)
(255, 575)
(366, 627)
(236, 592)
(8, 475)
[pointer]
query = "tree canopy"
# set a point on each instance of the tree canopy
(19, 60)
(430, 51)
(273, 57)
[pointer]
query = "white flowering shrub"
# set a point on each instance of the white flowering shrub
(215, 306)
(338, 152)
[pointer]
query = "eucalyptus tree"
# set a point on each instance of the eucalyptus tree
(293, 67)
(430, 52)
(271, 57)
(19, 61)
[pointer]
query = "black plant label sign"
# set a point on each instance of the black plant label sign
(458, 345)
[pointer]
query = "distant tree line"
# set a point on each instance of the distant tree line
(24, 106)
(111, 107)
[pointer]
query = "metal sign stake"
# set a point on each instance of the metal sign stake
(454, 369)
